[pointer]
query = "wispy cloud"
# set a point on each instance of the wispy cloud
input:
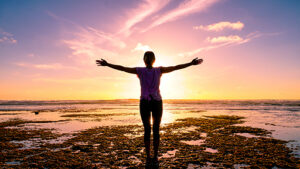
(88, 43)
(31, 55)
(5, 33)
(6, 37)
(53, 66)
(86, 80)
(198, 50)
(187, 7)
(152, 7)
(222, 42)
(48, 66)
(141, 12)
(141, 47)
(92, 43)
(225, 39)
(221, 26)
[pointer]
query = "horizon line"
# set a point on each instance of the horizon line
(139, 99)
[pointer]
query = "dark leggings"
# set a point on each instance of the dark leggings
(146, 107)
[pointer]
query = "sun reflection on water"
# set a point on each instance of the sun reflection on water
(167, 117)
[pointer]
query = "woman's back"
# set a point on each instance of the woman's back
(149, 80)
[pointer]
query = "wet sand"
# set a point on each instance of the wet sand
(111, 136)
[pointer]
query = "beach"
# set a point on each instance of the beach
(109, 134)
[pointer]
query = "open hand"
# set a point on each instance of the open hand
(196, 61)
(101, 62)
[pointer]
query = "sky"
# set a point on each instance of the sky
(250, 48)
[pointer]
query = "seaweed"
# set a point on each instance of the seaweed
(112, 147)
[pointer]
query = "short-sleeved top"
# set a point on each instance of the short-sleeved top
(149, 80)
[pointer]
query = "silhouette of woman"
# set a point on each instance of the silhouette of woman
(150, 100)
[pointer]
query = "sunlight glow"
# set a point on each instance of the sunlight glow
(167, 117)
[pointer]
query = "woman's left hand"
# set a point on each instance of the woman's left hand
(196, 61)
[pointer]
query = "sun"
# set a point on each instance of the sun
(171, 84)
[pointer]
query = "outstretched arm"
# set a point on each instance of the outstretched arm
(103, 62)
(195, 61)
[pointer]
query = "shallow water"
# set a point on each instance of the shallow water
(281, 117)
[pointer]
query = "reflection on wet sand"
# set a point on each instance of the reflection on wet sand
(206, 135)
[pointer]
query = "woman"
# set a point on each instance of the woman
(150, 100)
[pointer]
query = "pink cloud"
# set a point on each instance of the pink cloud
(185, 8)
(223, 41)
(88, 43)
(198, 50)
(141, 12)
(221, 26)
(141, 47)
(5, 33)
(6, 39)
(91, 43)
(53, 66)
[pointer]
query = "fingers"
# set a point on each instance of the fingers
(99, 62)
(200, 61)
(197, 61)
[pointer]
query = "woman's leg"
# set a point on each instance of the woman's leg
(145, 115)
(157, 110)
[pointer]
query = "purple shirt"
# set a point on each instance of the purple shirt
(149, 80)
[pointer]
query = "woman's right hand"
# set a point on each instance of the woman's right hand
(101, 62)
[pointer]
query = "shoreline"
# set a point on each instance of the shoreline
(212, 141)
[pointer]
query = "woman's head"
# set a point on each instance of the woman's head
(149, 58)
